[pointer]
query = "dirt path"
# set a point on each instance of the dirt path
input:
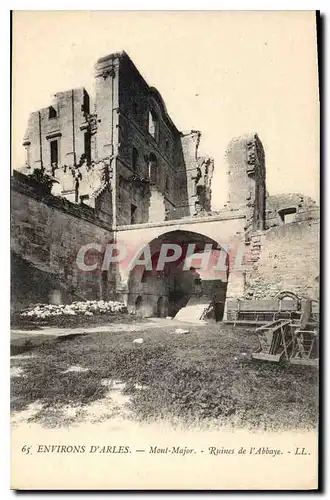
(114, 406)
(111, 327)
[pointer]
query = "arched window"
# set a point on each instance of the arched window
(153, 125)
(153, 175)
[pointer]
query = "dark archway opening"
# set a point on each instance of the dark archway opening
(139, 306)
(193, 279)
(183, 285)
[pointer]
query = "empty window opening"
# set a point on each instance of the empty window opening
(87, 147)
(152, 168)
(153, 125)
(85, 107)
(27, 155)
(133, 214)
(76, 190)
(197, 207)
(135, 156)
(83, 198)
(167, 183)
(288, 215)
(54, 152)
(52, 113)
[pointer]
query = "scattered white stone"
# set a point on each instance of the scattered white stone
(75, 369)
(106, 382)
(181, 330)
(138, 341)
(115, 385)
(21, 417)
(88, 308)
(169, 317)
(70, 412)
(16, 371)
(140, 387)
(22, 356)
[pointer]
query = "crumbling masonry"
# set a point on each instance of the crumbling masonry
(122, 171)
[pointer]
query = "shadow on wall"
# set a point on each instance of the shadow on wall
(183, 285)
(145, 309)
(30, 285)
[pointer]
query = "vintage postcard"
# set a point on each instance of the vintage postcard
(165, 250)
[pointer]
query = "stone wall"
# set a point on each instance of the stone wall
(46, 234)
(296, 205)
(142, 157)
(147, 161)
(284, 258)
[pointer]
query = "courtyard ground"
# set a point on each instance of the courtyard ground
(61, 377)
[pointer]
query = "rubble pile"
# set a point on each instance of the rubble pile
(86, 308)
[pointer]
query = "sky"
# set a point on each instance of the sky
(223, 73)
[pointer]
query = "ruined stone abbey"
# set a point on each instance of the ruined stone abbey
(121, 171)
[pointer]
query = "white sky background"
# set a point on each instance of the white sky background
(224, 73)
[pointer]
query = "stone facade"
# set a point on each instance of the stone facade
(286, 255)
(122, 171)
(127, 139)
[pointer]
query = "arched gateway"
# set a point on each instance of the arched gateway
(176, 269)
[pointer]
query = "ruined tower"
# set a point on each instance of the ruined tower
(123, 155)
(247, 179)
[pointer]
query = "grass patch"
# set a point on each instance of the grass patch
(199, 377)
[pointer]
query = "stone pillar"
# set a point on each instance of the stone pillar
(107, 111)
(235, 287)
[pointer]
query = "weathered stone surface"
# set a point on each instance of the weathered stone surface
(247, 179)
(288, 259)
(128, 143)
(47, 233)
(125, 172)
